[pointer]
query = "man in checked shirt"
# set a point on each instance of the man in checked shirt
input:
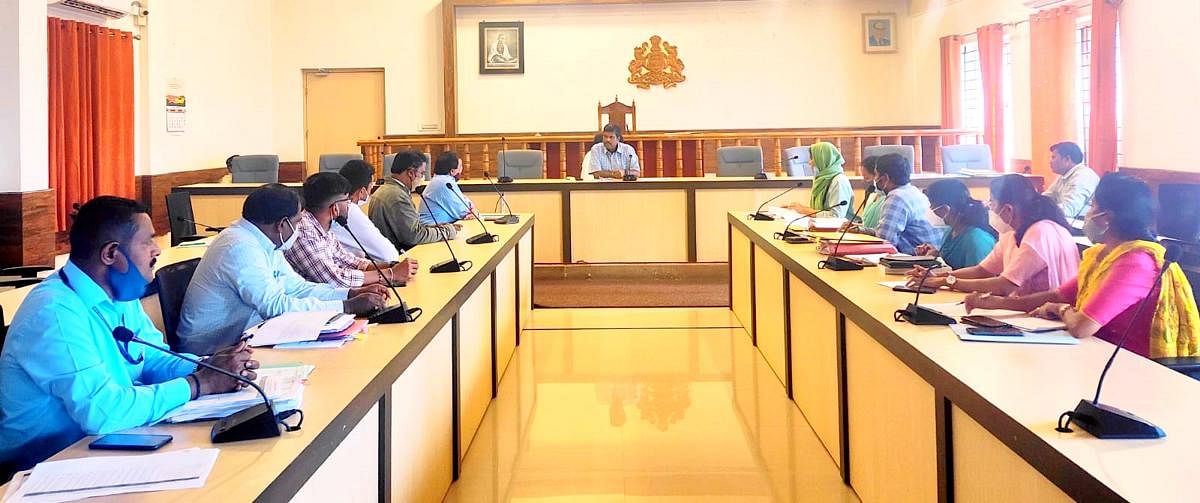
(318, 256)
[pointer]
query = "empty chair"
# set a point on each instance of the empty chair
(172, 283)
(956, 158)
(334, 162)
(739, 161)
(796, 160)
(519, 163)
(180, 219)
(255, 169)
(881, 150)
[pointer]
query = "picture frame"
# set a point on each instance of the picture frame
(879, 33)
(501, 47)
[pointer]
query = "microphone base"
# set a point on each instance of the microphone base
(918, 315)
(629, 178)
(505, 179)
(447, 266)
(508, 220)
(760, 176)
(398, 313)
(251, 423)
(839, 264)
(762, 216)
(482, 239)
(1108, 422)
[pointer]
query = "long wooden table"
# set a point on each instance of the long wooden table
(391, 416)
(912, 413)
(666, 220)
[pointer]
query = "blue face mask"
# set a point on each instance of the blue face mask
(128, 285)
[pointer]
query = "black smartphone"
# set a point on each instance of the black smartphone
(984, 321)
(130, 442)
(910, 289)
(995, 331)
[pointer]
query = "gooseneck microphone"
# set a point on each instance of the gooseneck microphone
(208, 228)
(1106, 421)
(399, 313)
(835, 263)
(917, 315)
(486, 237)
(787, 230)
(257, 421)
(759, 215)
(503, 166)
(452, 265)
(507, 219)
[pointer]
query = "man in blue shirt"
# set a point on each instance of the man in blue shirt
(63, 374)
(448, 204)
(902, 220)
(612, 158)
(244, 278)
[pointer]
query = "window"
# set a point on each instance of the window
(1083, 87)
(972, 88)
(1010, 134)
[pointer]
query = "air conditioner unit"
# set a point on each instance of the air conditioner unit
(115, 9)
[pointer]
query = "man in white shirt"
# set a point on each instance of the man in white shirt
(361, 175)
(1076, 182)
(612, 158)
(585, 173)
(244, 278)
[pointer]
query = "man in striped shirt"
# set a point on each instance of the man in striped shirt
(318, 256)
(612, 158)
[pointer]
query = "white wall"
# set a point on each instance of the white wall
(23, 97)
(404, 37)
(751, 64)
(1161, 83)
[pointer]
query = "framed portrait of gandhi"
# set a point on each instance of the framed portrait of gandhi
(502, 47)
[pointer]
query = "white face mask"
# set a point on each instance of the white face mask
(291, 240)
(363, 203)
(997, 223)
(933, 219)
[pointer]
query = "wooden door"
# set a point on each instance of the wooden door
(341, 107)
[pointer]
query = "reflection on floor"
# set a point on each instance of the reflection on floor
(656, 414)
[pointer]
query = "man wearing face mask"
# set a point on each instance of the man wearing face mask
(442, 203)
(318, 257)
(244, 279)
(392, 209)
(361, 176)
(64, 374)
(902, 218)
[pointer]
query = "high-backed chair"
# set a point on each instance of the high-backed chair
(796, 160)
(255, 169)
(617, 113)
(881, 150)
(517, 164)
(334, 162)
(180, 219)
(956, 158)
(172, 283)
(739, 161)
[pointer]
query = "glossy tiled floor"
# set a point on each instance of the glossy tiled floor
(644, 414)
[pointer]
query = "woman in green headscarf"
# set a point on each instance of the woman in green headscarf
(830, 185)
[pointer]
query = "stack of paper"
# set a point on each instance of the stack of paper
(74, 479)
(284, 386)
(1052, 337)
(294, 327)
(1017, 319)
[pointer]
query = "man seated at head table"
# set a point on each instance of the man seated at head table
(611, 158)
(244, 279)
(902, 219)
(442, 200)
(392, 209)
(64, 375)
(361, 177)
(318, 257)
(1076, 182)
(1117, 274)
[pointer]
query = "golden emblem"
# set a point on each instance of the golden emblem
(656, 63)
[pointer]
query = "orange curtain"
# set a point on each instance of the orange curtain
(1052, 83)
(91, 113)
(951, 86)
(1102, 129)
(991, 65)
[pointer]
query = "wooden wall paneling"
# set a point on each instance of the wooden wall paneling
(27, 235)
(986, 470)
(778, 161)
(662, 238)
(858, 147)
(289, 171)
(919, 155)
(937, 154)
(487, 161)
(658, 158)
(562, 160)
(671, 158)
(679, 156)
(641, 153)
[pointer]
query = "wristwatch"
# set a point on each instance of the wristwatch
(951, 280)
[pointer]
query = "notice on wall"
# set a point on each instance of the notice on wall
(176, 113)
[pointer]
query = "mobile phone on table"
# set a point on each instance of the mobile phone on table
(984, 321)
(130, 442)
(913, 289)
(1008, 331)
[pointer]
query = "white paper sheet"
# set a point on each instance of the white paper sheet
(1051, 337)
(1015, 318)
(283, 385)
(73, 479)
(290, 327)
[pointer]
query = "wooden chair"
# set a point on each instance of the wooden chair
(616, 113)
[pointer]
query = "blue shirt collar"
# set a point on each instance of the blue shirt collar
(84, 286)
(262, 239)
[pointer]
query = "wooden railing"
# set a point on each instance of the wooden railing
(671, 154)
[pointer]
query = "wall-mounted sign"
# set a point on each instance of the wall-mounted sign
(656, 63)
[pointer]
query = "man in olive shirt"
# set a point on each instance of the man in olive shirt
(392, 209)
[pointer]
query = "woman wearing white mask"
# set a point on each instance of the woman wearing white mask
(968, 238)
(1035, 251)
(361, 175)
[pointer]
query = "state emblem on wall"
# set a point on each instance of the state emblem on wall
(656, 63)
